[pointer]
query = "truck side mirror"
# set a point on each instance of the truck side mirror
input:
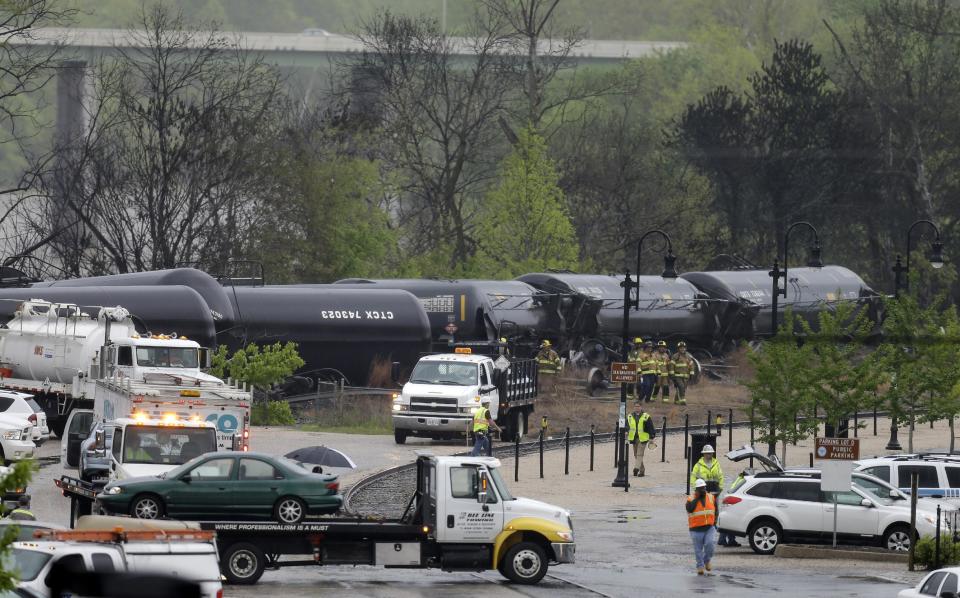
(395, 371)
(484, 484)
(99, 441)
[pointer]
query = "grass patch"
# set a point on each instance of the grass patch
(348, 415)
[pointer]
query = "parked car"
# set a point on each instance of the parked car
(23, 406)
(770, 508)
(196, 561)
(227, 485)
(942, 582)
(865, 480)
(938, 475)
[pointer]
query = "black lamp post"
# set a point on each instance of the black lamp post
(669, 271)
(899, 281)
(815, 261)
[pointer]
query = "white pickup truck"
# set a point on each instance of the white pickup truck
(445, 390)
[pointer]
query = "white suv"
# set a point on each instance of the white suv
(773, 507)
(23, 406)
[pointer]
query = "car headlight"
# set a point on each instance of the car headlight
(565, 536)
(13, 434)
(114, 490)
(399, 407)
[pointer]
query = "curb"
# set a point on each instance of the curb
(827, 552)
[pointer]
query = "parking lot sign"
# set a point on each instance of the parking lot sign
(837, 449)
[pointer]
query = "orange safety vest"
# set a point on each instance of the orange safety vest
(705, 515)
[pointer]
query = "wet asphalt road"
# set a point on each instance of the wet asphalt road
(619, 553)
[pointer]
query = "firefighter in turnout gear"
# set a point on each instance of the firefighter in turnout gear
(647, 368)
(683, 368)
(547, 359)
(640, 431)
(634, 356)
(664, 371)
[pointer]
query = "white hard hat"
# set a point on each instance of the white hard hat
(707, 449)
(485, 401)
(700, 484)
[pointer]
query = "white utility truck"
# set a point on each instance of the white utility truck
(461, 517)
(445, 390)
(68, 359)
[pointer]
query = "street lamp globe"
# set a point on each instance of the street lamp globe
(816, 260)
(936, 255)
(669, 265)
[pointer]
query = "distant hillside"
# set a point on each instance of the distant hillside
(600, 19)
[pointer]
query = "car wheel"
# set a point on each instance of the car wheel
(764, 536)
(289, 509)
(146, 506)
(524, 563)
(897, 538)
(400, 436)
(243, 563)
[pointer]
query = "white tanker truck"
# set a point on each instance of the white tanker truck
(69, 359)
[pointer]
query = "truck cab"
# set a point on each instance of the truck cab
(156, 357)
(445, 390)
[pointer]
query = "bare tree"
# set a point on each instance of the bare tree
(437, 99)
(170, 169)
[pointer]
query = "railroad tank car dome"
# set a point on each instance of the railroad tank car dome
(163, 309)
(212, 292)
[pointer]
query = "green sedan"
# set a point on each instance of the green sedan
(227, 485)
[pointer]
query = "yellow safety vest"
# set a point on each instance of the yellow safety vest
(636, 428)
(663, 364)
(480, 420)
(707, 473)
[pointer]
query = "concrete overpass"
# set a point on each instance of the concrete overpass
(313, 48)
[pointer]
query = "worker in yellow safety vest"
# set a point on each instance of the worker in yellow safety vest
(683, 368)
(648, 371)
(702, 519)
(548, 361)
(664, 370)
(22, 512)
(634, 356)
(640, 431)
(482, 422)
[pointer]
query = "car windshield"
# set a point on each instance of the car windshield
(26, 564)
(878, 487)
(444, 372)
(501, 485)
(168, 357)
(166, 445)
(880, 500)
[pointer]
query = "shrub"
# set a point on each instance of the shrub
(924, 553)
(272, 413)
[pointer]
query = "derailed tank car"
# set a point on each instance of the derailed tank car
(669, 309)
(341, 332)
(809, 292)
(479, 310)
(161, 310)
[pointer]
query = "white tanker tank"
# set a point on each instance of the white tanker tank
(53, 342)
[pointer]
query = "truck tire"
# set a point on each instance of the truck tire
(524, 563)
(400, 436)
(289, 510)
(243, 563)
(146, 506)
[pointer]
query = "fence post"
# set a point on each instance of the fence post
(663, 440)
(709, 420)
(811, 460)
(936, 557)
(616, 444)
(516, 457)
(874, 421)
(566, 451)
(856, 423)
(730, 431)
(591, 447)
(626, 464)
(541, 454)
(686, 434)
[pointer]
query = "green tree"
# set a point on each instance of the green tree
(843, 377)
(526, 227)
(780, 391)
(259, 367)
(19, 476)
